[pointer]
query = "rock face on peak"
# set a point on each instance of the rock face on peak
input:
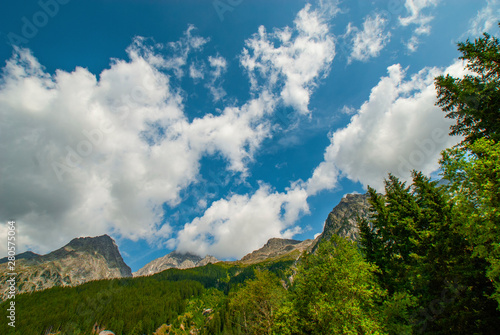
(81, 260)
(342, 220)
(175, 260)
(276, 247)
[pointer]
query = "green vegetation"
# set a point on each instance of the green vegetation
(173, 298)
(418, 244)
(474, 186)
(335, 292)
(473, 101)
(126, 305)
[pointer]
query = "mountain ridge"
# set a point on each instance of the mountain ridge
(81, 260)
(175, 260)
(276, 247)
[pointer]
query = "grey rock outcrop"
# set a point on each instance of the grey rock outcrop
(343, 219)
(175, 260)
(276, 247)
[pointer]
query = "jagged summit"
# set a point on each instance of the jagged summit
(276, 242)
(82, 259)
(175, 259)
(276, 247)
(342, 220)
(95, 241)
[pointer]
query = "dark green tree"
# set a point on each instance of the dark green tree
(474, 184)
(416, 241)
(474, 100)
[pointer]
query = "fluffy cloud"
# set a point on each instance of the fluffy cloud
(486, 18)
(398, 129)
(371, 40)
(180, 51)
(86, 154)
(417, 16)
(218, 66)
(413, 43)
(291, 60)
(196, 71)
(77, 155)
(235, 226)
(236, 133)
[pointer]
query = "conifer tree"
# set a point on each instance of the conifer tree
(474, 100)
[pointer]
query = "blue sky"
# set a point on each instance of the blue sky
(212, 126)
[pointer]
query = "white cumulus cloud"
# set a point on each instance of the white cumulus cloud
(218, 66)
(398, 129)
(240, 224)
(87, 156)
(368, 43)
(486, 19)
(291, 60)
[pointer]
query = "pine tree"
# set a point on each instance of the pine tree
(418, 245)
(474, 100)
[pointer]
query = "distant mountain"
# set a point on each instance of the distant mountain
(342, 220)
(175, 260)
(276, 247)
(81, 260)
(24, 255)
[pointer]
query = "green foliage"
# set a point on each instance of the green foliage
(286, 320)
(125, 306)
(335, 292)
(256, 303)
(174, 298)
(417, 242)
(474, 100)
(474, 183)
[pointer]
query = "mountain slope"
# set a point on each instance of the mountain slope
(81, 260)
(342, 220)
(25, 255)
(276, 247)
(174, 260)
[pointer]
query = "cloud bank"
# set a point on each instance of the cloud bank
(88, 154)
(396, 130)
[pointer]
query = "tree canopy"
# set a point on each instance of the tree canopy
(474, 100)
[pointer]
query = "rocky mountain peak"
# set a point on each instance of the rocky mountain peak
(177, 260)
(280, 242)
(81, 260)
(95, 243)
(342, 220)
(276, 247)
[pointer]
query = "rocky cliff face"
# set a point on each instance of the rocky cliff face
(276, 247)
(342, 220)
(174, 260)
(82, 260)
